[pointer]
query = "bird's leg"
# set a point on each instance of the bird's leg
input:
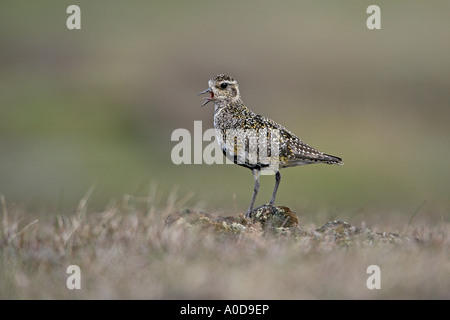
(275, 189)
(255, 192)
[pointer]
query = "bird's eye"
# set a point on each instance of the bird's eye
(224, 85)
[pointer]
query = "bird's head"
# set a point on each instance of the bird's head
(222, 89)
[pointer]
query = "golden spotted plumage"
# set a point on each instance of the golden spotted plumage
(232, 117)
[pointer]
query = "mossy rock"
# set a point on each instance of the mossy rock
(343, 233)
(279, 219)
(274, 217)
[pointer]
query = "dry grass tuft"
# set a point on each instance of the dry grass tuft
(134, 249)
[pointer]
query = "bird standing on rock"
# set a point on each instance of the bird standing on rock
(253, 141)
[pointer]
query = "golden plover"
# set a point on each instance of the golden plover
(253, 141)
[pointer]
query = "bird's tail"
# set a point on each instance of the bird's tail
(328, 158)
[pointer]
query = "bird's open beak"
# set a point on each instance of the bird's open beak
(208, 99)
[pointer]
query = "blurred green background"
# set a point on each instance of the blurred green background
(97, 106)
